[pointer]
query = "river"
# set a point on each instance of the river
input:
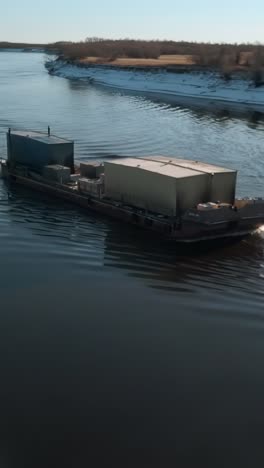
(115, 349)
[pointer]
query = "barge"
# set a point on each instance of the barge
(182, 200)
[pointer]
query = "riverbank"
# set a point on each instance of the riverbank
(191, 87)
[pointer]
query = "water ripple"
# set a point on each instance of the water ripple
(105, 124)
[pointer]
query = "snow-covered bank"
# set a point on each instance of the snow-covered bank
(208, 88)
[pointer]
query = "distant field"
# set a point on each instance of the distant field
(162, 61)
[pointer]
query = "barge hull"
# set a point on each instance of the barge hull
(163, 227)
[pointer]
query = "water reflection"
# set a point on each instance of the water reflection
(177, 268)
(85, 240)
(78, 85)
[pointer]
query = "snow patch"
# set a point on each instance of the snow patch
(206, 86)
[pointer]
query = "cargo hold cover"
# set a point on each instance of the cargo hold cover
(222, 181)
(155, 186)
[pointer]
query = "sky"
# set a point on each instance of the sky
(47, 21)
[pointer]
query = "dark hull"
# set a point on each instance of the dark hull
(184, 232)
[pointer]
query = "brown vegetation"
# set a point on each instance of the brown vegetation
(204, 54)
(161, 61)
(228, 58)
(225, 57)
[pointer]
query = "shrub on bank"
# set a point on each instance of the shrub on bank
(222, 56)
(225, 57)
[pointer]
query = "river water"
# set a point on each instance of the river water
(116, 350)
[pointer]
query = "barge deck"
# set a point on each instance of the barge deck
(182, 200)
(239, 221)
